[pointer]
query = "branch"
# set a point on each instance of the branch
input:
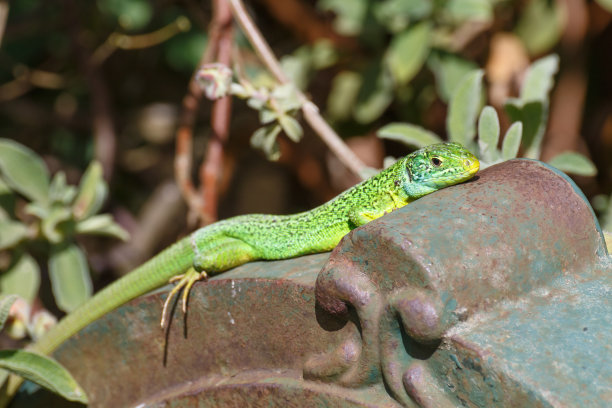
(309, 109)
(184, 136)
(184, 145)
(131, 42)
(4, 10)
(26, 78)
(220, 121)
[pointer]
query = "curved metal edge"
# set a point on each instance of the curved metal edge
(603, 250)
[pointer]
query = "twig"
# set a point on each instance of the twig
(14, 89)
(26, 78)
(4, 10)
(262, 49)
(220, 120)
(310, 111)
(130, 42)
(184, 136)
(184, 144)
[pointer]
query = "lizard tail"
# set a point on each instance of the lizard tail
(153, 274)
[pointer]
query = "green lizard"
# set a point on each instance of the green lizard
(235, 241)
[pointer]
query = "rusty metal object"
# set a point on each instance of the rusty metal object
(493, 293)
(474, 296)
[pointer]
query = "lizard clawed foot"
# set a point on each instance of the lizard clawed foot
(185, 282)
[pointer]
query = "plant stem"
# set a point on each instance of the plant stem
(183, 159)
(220, 121)
(309, 109)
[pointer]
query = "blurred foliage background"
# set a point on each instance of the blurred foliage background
(105, 81)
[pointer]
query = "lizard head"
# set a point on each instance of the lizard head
(437, 166)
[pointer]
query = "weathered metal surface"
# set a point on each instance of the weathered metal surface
(493, 293)
(472, 293)
(262, 329)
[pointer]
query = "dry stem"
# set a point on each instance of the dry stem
(310, 111)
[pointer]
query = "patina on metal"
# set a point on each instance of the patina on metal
(493, 293)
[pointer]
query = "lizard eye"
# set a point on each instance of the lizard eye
(436, 161)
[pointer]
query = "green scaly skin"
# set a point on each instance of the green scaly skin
(235, 241)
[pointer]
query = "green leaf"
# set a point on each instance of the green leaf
(323, 54)
(6, 301)
(22, 278)
(298, 66)
(532, 107)
(603, 205)
(59, 190)
(131, 14)
(488, 134)
(396, 15)
(4, 376)
(267, 115)
(24, 171)
(92, 192)
(600, 203)
(540, 26)
(343, 95)
(408, 134)
(464, 108)
(512, 141)
(102, 224)
(256, 103)
(448, 69)
(606, 4)
(7, 201)
(575, 163)
(264, 139)
(183, 51)
(286, 97)
(471, 10)
(292, 127)
(43, 371)
(375, 95)
(11, 233)
(539, 79)
(350, 14)
(57, 186)
(533, 117)
(407, 52)
(52, 223)
(37, 210)
(69, 276)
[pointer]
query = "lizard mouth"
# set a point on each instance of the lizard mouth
(471, 167)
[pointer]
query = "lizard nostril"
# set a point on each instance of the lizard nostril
(467, 163)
